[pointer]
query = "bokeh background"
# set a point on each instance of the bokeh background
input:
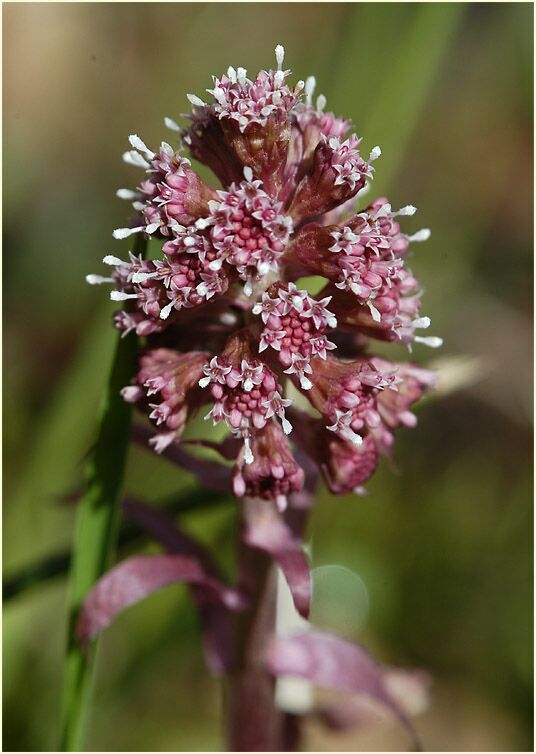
(434, 568)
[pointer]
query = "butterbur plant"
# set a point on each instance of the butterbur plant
(229, 326)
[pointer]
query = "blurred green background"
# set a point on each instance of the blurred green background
(440, 550)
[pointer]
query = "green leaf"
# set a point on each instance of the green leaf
(96, 529)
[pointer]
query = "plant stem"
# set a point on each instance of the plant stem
(96, 530)
(253, 721)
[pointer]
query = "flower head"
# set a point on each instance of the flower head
(171, 193)
(273, 474)
(228, 319)
(248, 230)
(168, 384)
(255, 103)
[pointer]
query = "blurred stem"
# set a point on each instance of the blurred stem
(96, 529)
(399, 102)
(253, 721)
(354, 47)
(420, 33)
(58, 563)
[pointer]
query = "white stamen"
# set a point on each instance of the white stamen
(305, 383)
(135, 158)
(320, 103)
(193, 99)
(151, 228)
(138, 144)
(231, 74)
(248, 174)
(126, 232)
(408, 210)
(432, 341)
(286, 425)
(241, 76)
(374, 153)
(113, 261)
(204, 382)
(421, 235)
(175, 227)
(422, 322)
(310, 84)
(354, 438)
(168, 149)
(203, 223)
(248, 455)
(279, 56)
(264, 268)
(384, 210)
(141, 277)
(376, 316)
(171, 124)
(126, 194)
(130, 393)
(166, 311)
(97, 279)
(219, 95)
(122, 296)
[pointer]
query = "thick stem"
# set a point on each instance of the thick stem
(253, 721)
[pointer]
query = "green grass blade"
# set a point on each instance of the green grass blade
(95, 535)
(404, 88)
(387, 106)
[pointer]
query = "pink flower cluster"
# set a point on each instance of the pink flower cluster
(228, 318)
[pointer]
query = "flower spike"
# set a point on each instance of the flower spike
(229, 323)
